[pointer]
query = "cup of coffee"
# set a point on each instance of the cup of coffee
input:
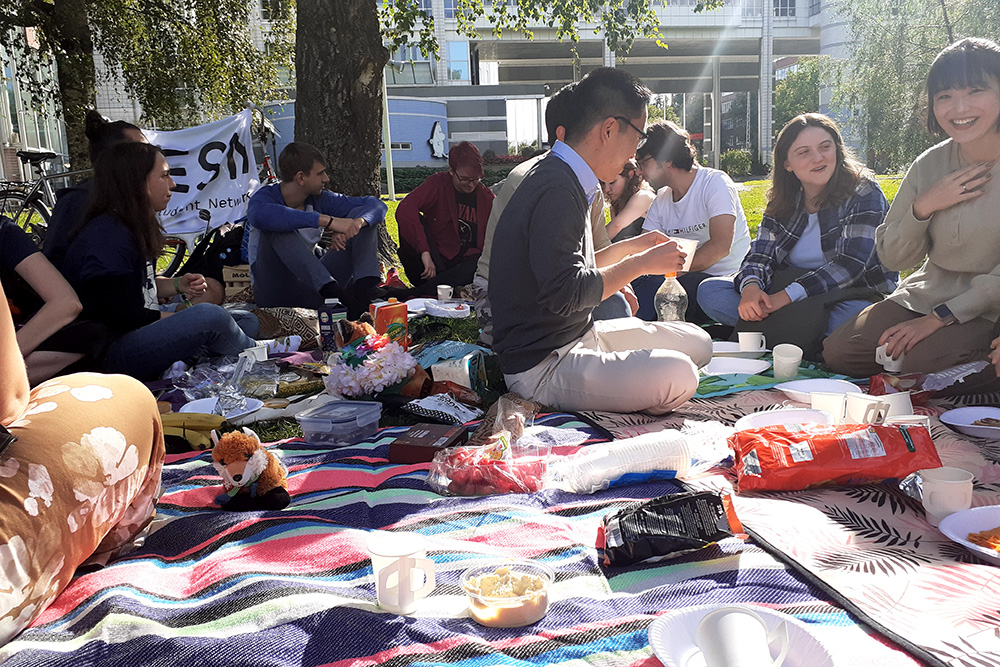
(738, 637)
(403, 573)
(945, 491)
(444, 292)
(787, 358)
(752, 341)
(888, 363)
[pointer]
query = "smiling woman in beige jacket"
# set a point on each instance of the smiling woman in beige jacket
(946, 215)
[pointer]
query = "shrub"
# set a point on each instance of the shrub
(406, 179)
(736, 163)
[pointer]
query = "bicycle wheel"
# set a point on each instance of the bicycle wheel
(173, 256)
(31, 216)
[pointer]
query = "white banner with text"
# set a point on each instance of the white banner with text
(215, 171)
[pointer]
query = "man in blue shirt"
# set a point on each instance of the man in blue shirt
(308, 244)
(546, 279)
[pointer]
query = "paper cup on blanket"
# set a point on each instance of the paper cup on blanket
(898, 403)
(787, 358)
(827, 401)
(738, 637)
(945, 491)
(403, 573)
(865, 409)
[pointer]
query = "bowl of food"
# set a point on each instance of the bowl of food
(508, 593)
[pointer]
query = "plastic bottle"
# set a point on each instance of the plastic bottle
(671, 300)
(330, 312)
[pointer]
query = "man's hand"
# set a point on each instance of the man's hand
(429, 269)
(664, 258)
(755, 303)
(338, 241)
(995, 354)
(901, 337)
(633, 301)
(778, 301)
(349, 227)
(192, 284)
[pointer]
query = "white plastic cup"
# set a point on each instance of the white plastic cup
(888, 363)
(688, 247)
(445, 292)
(786, 359)
(752, 341)
(945, 491)
(865, 409)
(908, 420)
(898, 404)
(738, 637)
(403, 573)
(835, 404)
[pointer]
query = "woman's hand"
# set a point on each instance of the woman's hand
(755, 303)
(192, 284)
(995, 354)
(958, 186)
(901, 338)
(429, 269)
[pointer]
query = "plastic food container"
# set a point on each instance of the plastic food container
(340, 422)
(513, 611)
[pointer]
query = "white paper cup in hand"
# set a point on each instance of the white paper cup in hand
(786, 359)
(945, 491)
(445, 292)
(888, 363)
(688, 247)
(403, 573)
(738, 637)
(752, 341)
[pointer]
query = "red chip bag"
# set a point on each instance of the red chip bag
(791, 457)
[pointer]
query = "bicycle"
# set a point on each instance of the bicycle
(29, 204)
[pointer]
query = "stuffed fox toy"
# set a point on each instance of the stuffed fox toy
(252, 477)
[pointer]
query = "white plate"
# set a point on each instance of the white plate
(451, 309)
(961, 420)
(207, 406)
(785, 416)
(672, 638)
(732, 365)
(956, 527)
(417, 305)
(799, 390)
(725, 348)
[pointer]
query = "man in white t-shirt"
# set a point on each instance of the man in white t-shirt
(692, 202)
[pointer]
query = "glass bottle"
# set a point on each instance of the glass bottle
(671, 300)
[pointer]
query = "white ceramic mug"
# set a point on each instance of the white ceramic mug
(786, 358)
(908, 420)
(752, 341)
(898, 403)
(835, 404)
(945, 491)
(445, 292)
(888, 363)
(738, 637)
(865, 409)
(403, 573)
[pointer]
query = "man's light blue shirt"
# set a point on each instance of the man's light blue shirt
(584, 174)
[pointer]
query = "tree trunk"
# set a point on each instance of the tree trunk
(74, 52)
(339, 62)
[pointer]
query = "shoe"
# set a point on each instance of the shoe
(286, 344)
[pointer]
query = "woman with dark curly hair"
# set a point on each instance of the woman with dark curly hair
(629, 197)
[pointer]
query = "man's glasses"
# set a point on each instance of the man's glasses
(466, 180)
(642, 134)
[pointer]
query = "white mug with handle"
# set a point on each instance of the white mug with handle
(735, 636)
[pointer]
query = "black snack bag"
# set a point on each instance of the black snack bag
(668, 526)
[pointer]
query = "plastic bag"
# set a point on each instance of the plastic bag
(791, 457)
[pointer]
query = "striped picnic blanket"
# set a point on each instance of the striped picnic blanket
(295, 587)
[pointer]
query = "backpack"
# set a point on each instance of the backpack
(216, 250)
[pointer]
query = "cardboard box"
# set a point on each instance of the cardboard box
(391, 318)
(236, 278)
(423, 441)
(468, 371)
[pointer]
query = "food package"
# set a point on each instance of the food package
(790, 457)
(668, 526)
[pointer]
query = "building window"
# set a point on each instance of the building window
(271, 10)
(402, 146)
(784, 7)
(450, 7)
(458, 61)
(814, 7)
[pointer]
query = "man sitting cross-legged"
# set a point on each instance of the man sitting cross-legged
(545, 281)
(286, 221)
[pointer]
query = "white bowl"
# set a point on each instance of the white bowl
(672, 638)
(734, 366)
(784, 416)
(961, 420)
(725, 348)
(799, 390)
(956, 527)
